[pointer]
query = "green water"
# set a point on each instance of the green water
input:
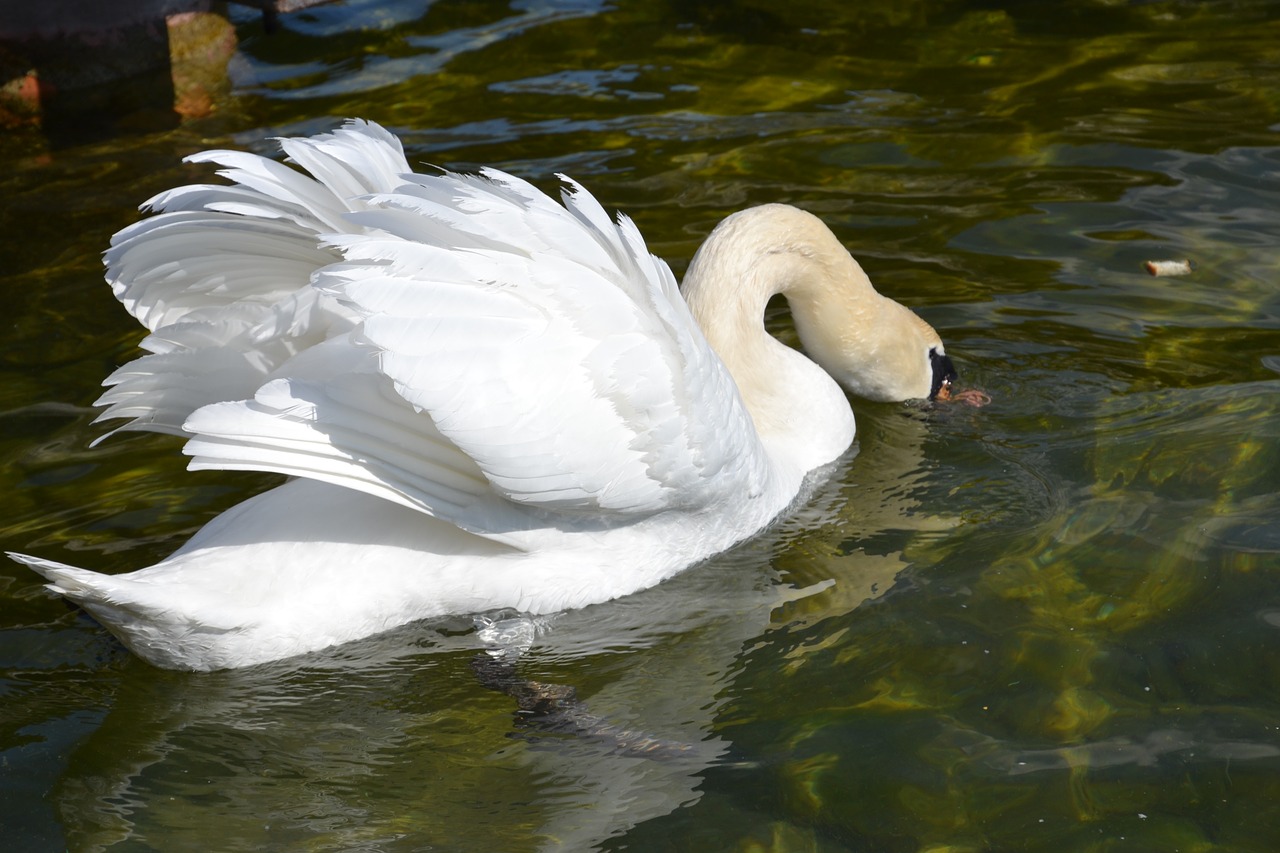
(1053, 622)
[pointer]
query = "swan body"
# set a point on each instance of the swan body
(484, 398)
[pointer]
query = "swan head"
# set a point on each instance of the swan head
(878, 349)
(874, 347)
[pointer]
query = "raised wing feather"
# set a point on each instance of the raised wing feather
(500, 355)
(336, 418)
(221, 276)
(554, 356)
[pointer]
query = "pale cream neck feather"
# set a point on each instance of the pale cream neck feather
(873, 346)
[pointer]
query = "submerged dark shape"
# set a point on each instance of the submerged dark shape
(556, 709)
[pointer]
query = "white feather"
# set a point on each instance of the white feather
(489, 399)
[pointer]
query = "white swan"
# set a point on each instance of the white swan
(486, 399)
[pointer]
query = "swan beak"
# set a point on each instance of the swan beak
(944, 374)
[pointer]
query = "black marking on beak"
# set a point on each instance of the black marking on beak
(944, 373)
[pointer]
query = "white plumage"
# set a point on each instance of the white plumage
(487, 398)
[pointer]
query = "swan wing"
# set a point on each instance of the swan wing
(509, 352)
(334, 417)
(221, 275)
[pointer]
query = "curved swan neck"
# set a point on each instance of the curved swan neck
(750, 257)
(872, 345)
(756, 254)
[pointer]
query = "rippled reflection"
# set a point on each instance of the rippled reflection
(1046, 624)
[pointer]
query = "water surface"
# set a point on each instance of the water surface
(1045, 625)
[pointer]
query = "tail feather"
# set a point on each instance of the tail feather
(112, 600)
(63, 579)
(138, 613)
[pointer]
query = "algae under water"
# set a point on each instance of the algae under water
(1048, 624)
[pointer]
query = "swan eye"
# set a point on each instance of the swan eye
(944, 373)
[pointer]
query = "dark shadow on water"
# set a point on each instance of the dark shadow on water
(545, 708)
